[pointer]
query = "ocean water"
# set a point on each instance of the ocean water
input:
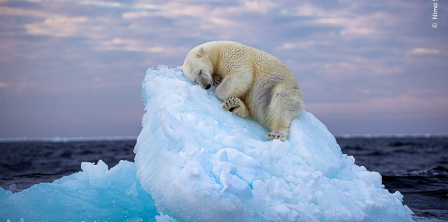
(415, 166)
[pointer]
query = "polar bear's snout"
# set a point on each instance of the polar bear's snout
(204, 79)
(204, 83)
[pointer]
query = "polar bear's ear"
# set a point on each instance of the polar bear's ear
(200, 52)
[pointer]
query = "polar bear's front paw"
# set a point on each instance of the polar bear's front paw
(217, 81)
(231, 104)
(277, 135)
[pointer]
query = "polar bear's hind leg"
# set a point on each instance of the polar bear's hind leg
(284, 107)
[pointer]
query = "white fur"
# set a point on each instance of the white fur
(252, 83)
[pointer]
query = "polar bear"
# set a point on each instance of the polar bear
(252, 83)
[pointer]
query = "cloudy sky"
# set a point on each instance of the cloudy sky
(73, 68)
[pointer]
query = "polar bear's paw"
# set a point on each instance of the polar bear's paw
(236, 106)
(277, 135)
(216, 80)
(231, 104)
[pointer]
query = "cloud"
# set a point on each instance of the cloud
(102, 4)
(262, 7)
(132, 45)
(58, 26)
(14, 11)
(109, 4)
(136, 14)
(352, 20)
(193, 20)
(423, 51)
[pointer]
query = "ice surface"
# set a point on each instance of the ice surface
(95, 194)
(202, 163)
(197, 162)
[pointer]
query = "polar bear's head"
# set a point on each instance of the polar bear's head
(198, 67)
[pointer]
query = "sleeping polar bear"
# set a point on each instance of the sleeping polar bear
(252, 83)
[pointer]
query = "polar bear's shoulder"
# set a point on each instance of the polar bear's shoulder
(226, 46)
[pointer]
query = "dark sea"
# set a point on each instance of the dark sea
(415, 166)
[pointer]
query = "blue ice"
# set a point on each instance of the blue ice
(197, 162)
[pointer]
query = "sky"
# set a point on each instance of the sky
(73, 68)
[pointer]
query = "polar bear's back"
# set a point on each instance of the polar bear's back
(235, 54)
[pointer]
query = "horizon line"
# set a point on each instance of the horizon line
(58, 139)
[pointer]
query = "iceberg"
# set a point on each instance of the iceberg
(202, 163)
(197, 162)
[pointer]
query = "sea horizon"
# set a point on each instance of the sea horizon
(118, 138)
